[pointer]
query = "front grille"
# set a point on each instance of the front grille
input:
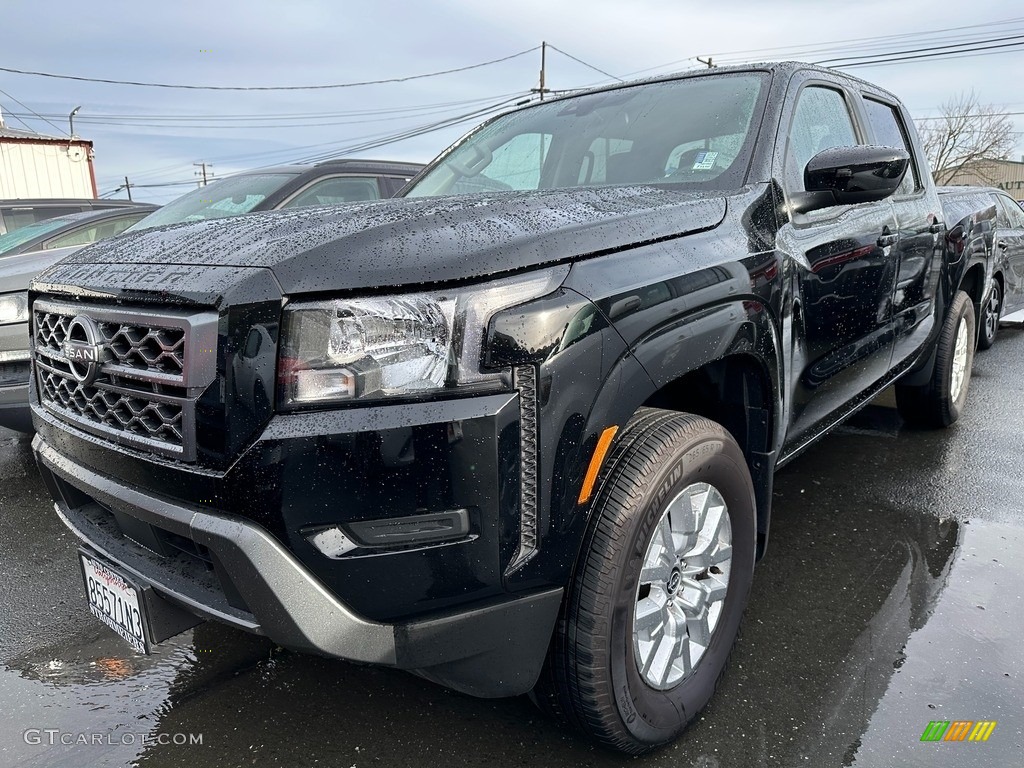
(139, 415)
(132, 346)
(130, 375)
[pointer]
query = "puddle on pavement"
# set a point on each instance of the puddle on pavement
(964, 664)
(94, 687)
(92, 684)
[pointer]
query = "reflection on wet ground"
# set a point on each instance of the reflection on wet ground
(892, 596)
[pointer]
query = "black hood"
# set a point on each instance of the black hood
(418, 241)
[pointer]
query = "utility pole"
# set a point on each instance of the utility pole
(707, 61)
(202, 172)
(128, 187)
(543, 60)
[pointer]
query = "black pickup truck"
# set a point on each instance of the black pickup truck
(515, 432)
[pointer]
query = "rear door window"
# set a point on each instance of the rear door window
(1010, 213)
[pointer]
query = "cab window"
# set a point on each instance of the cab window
(821, 121)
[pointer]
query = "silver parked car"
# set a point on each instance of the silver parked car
(16, 273)
(24, 254)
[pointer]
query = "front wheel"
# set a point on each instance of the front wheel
(654, 607)
(941, 401)
(990, 317)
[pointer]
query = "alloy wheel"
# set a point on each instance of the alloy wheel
(959, 368)
(992, 311)
(683, 582)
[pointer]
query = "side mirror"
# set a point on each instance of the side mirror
(849, 175)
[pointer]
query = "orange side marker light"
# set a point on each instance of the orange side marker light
(603, 444)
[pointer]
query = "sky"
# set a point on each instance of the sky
(155, 135)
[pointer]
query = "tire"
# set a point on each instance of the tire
(597, 677)
(990, 317)
(941, 401)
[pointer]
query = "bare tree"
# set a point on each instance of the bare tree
(966, 137)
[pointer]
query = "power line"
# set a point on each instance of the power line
(381, 141)
(5, 93)
(362, 144)
(413, 110)
(142, 123)
(962, 54)
(15, 115)
(289, 152)
(916, 50)
(982, 114)
(585, 64)
(151, 186)
(269, 87)
(834, 46)
(837, 47)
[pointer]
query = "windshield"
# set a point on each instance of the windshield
(696, 131)
(227, 197)
(12, 240)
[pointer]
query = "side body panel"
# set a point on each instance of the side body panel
(842, 276)
(1008, 241)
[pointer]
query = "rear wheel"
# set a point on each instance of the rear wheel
(654, 607)
(941, 401)
(990, 317)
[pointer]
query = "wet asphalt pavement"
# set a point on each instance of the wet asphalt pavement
(892, 596)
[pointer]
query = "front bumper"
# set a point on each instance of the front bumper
(489, 643)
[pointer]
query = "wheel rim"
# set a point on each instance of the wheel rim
(683, 583)
(959, 360)
(992, 312)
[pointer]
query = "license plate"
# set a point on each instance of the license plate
(115, 601)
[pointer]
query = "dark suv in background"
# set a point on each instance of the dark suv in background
(287, 186)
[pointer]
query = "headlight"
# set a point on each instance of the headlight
(13, 308)
(396, 346)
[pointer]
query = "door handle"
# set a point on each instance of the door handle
(1002, 245)
(937, 227)
(887, 240)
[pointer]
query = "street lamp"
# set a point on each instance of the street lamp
(71, 119)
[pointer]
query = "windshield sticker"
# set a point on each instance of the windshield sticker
(705, 161)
